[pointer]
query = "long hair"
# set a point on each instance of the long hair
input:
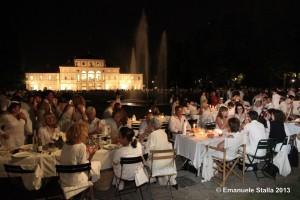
(128, 133)
(222, 109)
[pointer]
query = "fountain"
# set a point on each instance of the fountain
(142, 49)
(133, 62)
(162, 62)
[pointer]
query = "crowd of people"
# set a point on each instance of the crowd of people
(25, 115)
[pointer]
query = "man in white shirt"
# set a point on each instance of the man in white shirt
(95, 125)
(158, 140)
(178, 121)
(255, 131)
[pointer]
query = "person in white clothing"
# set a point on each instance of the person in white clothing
(275, 100)
(258, 106)
(75, 152)
(158, 140)
(255, 131)
(145, 127)
(232, 141)
(130, 148)
(48, 133)
(178, 121)
(12, 127)
(95, 124)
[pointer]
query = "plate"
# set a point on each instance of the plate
(110, 146)
(22, 154)
(26, 147)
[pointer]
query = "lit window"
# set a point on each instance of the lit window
(83, 75)
(49, 77)
(41, 77)
(91, 75)
(98, 75)
(31, 77)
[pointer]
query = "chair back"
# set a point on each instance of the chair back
(131, 160)
(266, 144)
(15, 175)
(165, 125)
(135, 126)
(128, 166)
(163, 162)
(73, 168)
(16, 169)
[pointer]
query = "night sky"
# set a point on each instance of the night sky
(206, 39)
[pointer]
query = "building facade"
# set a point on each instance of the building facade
(87, 74)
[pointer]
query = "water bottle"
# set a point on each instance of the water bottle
(184, 127)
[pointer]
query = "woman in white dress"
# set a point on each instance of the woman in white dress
(12, 127)
(74, 152)
(130, 148)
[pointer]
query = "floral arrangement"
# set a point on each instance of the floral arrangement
(58, 135)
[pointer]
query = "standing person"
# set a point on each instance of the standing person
(175, 103)
(109, 110)
(203, 98)
(118, 97)
(12, 125)
(214, 100)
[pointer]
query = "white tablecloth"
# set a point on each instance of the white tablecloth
(45, 163)
(193, 147)
(105, 157)
(292, 128)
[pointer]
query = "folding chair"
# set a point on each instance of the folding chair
(19, 191)
(128, 161)
(226, 165)
(263, 145)
(163, 164)
(85, 191)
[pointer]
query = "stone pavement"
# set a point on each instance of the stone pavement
(191, 188)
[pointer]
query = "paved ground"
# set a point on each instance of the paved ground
(191, 188)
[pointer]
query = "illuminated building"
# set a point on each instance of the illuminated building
(87, 74)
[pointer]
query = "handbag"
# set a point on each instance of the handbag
(141, 176)
(293, 156)
(270, 169)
